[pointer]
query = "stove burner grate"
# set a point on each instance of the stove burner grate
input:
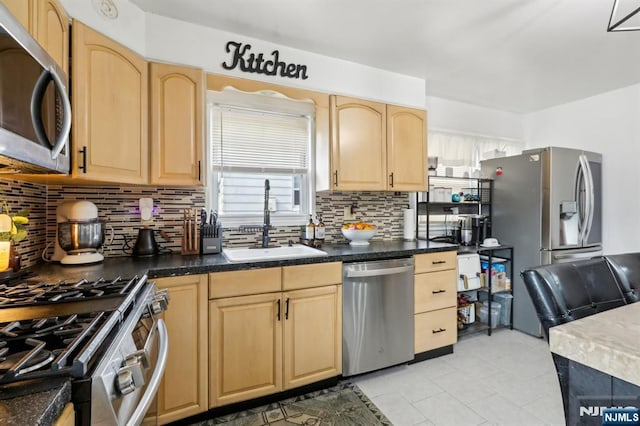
(47, 347)
(29, 292)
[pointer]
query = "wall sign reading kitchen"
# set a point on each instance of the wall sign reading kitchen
(260, 63)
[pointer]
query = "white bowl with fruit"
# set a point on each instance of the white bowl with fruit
(359, 233)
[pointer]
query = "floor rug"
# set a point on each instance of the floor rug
(343, 404)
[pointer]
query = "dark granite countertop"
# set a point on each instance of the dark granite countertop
(175, 264)
(42, 406)
(33, 403)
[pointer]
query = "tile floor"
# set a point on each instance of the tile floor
(505, 379)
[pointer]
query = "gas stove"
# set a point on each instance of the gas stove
(103, 334)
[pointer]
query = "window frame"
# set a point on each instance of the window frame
(268, 101)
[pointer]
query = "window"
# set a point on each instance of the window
(463, 152)
(254, 137)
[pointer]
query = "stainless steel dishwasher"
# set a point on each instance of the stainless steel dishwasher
(377, 314)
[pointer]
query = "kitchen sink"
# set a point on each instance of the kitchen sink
(294, 251)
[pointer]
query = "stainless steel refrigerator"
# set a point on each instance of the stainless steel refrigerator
(547, 203)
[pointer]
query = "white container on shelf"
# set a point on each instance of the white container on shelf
(469, 267)
(438, 194)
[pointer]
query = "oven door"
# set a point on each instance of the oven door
(127, 380)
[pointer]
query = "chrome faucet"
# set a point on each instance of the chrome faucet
(267, 216)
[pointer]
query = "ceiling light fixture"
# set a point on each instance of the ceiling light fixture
(625, 15)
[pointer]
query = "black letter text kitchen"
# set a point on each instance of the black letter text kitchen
(258, 63)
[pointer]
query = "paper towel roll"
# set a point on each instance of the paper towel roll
(409, 224)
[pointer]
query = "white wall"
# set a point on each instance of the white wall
(460, 117)
(177, 41)
(160, 38)
(127, 29)
(608, 123)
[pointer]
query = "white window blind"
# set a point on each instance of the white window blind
(253, 138)
(243, 138)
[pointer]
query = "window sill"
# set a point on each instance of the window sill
(234, 222)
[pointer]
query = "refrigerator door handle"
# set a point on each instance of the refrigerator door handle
(590, 198)
(588, 195)
(580, 178)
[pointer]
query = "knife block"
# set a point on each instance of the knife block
(211, 245)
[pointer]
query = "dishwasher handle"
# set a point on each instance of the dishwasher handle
(378, 272)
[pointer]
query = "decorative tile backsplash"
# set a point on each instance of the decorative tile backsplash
(383, 209)
(33, 197)
(119, 207)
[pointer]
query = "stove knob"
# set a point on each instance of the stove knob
(124, 382)
(160, 302)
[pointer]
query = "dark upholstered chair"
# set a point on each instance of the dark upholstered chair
(626, 268)
(565, 292)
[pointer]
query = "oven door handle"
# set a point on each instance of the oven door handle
(154, 383)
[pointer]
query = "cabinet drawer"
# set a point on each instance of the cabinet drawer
(435, 290)
(313, 275)
(435, 329)
(439, 261)
(241, 283)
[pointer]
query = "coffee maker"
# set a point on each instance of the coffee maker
(480, 229)
(474, 229)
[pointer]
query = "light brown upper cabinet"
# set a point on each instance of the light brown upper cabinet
(176, 124)
(377, 147)
(110, 110)
(48, 23)
(358, 144)
(406, 149)
(24, 11)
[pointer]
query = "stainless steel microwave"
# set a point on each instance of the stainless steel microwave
(35, 113)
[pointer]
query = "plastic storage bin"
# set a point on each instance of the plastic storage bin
(495, 314)
(504, 300)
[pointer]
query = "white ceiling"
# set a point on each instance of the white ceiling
(513, 55)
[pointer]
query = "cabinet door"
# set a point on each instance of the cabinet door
(110, 98)
(312, 335)
(52, 31)
(245, 348)
(24, 11)
(177, 130)
(406, 149)
(184, 386)
(358, 144)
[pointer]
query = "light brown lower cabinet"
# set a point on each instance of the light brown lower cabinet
(265, 343)
(67, 417)
(435, 329)
(184, 387)
(312, 335)
(435, 299)
(285, 334)
(245, 348)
